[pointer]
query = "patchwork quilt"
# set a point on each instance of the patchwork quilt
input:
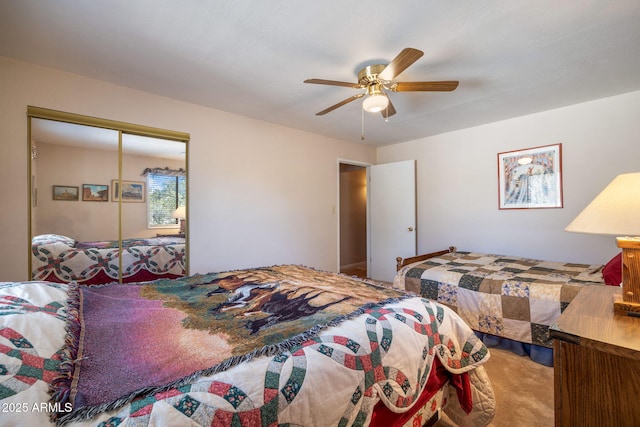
(61, 259)
(509, 297)
(368, 349)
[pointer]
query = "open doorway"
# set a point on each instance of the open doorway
(353, 219)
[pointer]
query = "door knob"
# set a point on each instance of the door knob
(410, 229)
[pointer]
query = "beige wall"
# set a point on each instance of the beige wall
(80, 220)
(457, 180)
(260, 194)
(89, 221)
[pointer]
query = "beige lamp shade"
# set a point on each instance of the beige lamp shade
(615, 211)
(180, 213)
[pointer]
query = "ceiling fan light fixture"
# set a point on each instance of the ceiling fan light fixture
(375, 103)
(377, 79)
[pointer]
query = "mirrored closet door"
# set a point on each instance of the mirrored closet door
(108, 200)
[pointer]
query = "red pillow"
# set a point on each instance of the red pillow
(612, 271)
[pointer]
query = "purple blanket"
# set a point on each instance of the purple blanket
(132, 340)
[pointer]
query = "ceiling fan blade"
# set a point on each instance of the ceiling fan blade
(400, 63)
(340, 104)
(389, 111)
(444, 86)
(334, 83)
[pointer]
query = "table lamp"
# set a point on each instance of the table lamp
(180, 214)
(616, 211)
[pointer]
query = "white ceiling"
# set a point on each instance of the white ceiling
(250, 57)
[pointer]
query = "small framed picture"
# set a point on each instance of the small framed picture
(95, 193)
(132, 191)
(530, 178)
(66, 192)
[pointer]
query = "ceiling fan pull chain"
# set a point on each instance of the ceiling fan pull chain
(362, 131)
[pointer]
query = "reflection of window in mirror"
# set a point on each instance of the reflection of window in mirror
(167, 194)
(77, 154)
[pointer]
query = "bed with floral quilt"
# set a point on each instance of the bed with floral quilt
(58, 258)
(510, 301)
(279, 345)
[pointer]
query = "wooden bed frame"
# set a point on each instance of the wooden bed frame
(401, 262)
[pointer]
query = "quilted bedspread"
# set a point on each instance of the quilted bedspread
(383, 352)
(509, 297)
(61, 259)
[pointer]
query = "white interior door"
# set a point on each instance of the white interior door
(392, 217)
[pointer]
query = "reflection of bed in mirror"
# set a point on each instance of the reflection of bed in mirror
(57, 258)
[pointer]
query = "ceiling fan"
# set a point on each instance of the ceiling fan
(378, 78)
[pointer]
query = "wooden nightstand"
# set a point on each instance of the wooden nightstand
(596, 362)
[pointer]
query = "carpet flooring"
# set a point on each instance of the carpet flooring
(523, 390)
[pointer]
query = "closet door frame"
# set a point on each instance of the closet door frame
(121, 128)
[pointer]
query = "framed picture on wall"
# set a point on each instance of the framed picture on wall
(95, 193)
(132, 191)
(530, 178)
(65, 192)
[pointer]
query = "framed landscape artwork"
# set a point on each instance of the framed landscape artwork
(132, 191)
(65, 192)
(530, 178)
(95, 193)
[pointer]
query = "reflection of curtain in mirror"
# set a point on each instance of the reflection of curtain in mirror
(164, 172)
